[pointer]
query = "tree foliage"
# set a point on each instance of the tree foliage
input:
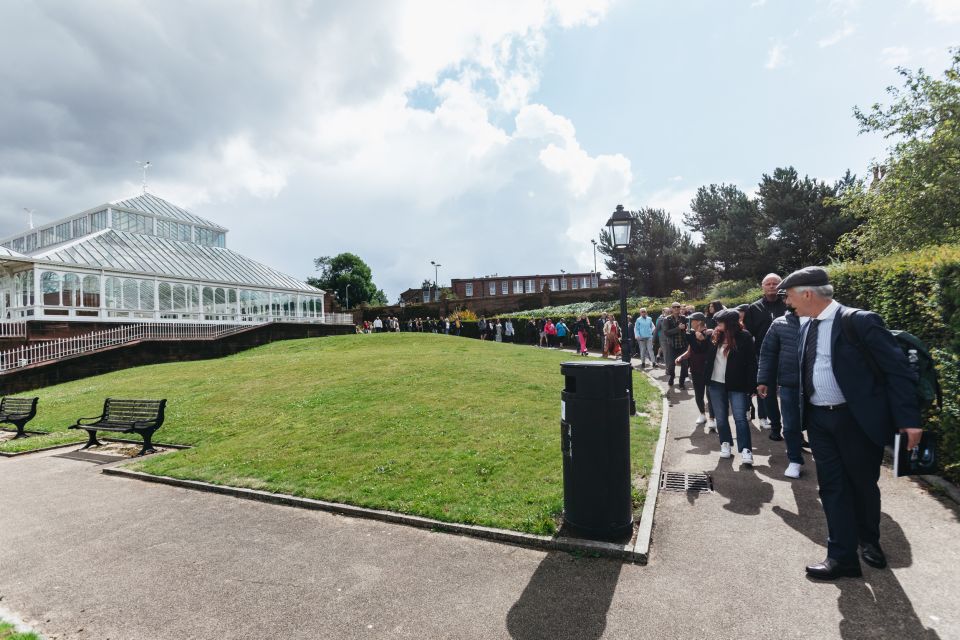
(346, 268)
(732, 230)
(659, 257)
(914, 199)
(801, 219)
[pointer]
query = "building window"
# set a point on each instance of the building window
(81, 226)
(469, 290)
(50, 288)
(504, 288)
(132, 222)
(46, 237)
(518, 286)
(91, 291)
(493, 288)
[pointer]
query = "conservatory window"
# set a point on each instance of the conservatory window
(50, 288)
(91, 291)
(71, 290)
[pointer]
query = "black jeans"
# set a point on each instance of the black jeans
(848, 468)
(700, 390)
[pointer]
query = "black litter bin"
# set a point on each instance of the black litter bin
(595, 441)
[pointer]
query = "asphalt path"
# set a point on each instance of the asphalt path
(83, 555)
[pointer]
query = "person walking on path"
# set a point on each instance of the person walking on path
(583, 330)
(643, 332)
(674, 329)
(562, 331)
(698, 344)
(779, 368)
(757, 320)
(731, 373)
(850, 414)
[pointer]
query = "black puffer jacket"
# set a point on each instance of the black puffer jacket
(779, 354)
(741, 365)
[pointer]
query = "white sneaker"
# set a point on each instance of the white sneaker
(746, 457)
(725, 450)
(793, 470)
(701, 419)
(711, 425)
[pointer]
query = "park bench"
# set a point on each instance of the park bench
(18, 412)
(141, 417)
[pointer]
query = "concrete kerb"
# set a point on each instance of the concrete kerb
(16, 454)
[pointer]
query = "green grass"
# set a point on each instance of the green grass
(7, 632)
(448, 428)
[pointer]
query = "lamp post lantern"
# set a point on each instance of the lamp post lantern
(620, 226)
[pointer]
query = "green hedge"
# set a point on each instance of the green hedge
(918, 292)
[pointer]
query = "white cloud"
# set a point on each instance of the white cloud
(835, 37)
(895, 56)
(776, 56)
(942, 10)
(296, 129)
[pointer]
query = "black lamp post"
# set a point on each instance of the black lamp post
(620, 226)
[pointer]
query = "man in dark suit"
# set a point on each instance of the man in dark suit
(850, 415)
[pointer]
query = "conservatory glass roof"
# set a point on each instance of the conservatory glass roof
(148, 254)
(149, 203)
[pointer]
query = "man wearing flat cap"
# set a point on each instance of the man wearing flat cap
(850, 414)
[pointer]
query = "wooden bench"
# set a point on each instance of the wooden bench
(141, 417)
(18, 412)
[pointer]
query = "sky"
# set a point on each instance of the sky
(492, 137)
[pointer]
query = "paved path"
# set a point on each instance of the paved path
(84, 555)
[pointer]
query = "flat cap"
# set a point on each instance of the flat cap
(726, 315)
(806, 277)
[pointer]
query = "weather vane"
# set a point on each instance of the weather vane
(144, 165)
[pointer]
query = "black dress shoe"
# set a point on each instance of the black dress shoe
(776, 437)
(830, 569)
(873, 555)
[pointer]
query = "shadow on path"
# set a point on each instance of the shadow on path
(567, 597)
(875, 606)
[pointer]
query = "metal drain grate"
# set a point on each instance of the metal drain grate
(679, 481)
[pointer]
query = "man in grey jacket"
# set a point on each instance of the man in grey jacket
(779, 367)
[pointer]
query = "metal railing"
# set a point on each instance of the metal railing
(97, 340)
(13, 329)
(338, 318)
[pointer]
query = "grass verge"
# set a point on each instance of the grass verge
(448, 428)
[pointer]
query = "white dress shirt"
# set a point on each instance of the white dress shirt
(826, 391)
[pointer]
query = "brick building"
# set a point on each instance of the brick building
(502, 286)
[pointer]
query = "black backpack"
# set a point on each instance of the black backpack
(918, 356)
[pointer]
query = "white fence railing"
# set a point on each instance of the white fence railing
(13, 329)
(338, 318)
(96, 340)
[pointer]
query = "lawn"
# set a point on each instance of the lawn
(443, 427)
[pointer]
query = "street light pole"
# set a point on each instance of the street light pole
(620, 226)
(595, 261)
(436, 287)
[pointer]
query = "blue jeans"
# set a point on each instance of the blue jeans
(790, 408)
(722, 401)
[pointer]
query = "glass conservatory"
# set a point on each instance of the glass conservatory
(143, 259)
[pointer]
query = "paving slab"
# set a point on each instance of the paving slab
(85, 555)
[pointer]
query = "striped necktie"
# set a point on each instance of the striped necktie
(809, 357)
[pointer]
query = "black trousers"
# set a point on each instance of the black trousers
(848, 468)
